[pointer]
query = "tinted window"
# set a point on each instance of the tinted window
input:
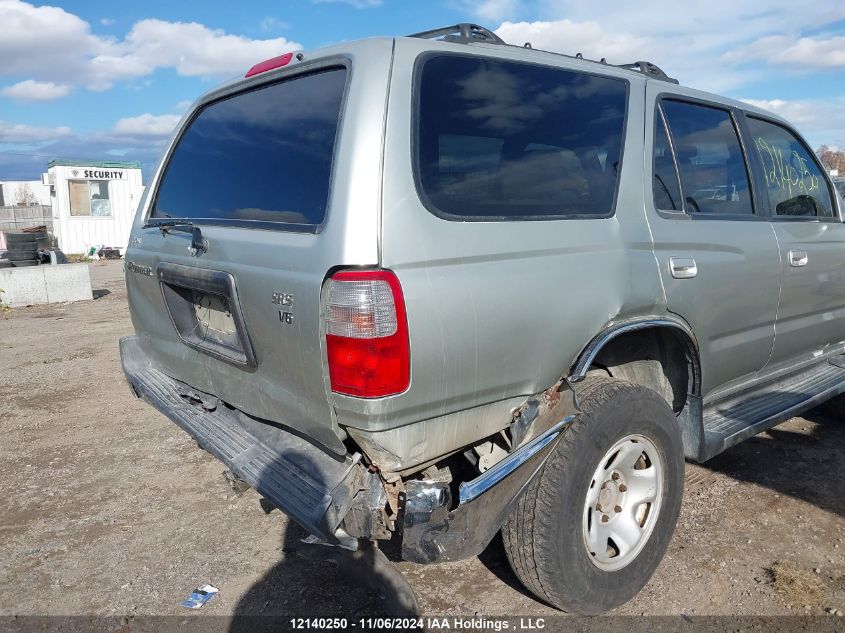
(667, 191)
(714, 177)
(499, 140)
(794, 181)
(840, 187)
(261, 155)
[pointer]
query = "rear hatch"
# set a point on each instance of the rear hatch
(257, 201)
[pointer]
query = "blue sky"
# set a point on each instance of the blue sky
(109, 80)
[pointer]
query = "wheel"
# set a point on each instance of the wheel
(596, 520)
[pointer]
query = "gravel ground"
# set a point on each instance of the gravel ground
(110, 509)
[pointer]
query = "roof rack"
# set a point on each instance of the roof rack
(462, 33)
(466, 33)
(649, 69)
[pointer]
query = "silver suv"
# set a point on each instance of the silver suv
(437, 287)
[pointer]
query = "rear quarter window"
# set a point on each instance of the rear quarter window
(501, 140)
(262, 156)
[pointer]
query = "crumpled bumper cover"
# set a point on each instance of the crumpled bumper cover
(434, 533)
(313, 487)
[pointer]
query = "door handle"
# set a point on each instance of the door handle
(683, 267)
(798, 258)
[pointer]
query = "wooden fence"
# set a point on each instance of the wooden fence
(18, 218)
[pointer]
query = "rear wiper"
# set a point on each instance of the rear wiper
(198, 245)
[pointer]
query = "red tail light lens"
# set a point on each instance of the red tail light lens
(269, 64)
(367, 334)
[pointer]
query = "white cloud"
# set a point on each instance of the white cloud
(191, 49)
(106, 21)
(492, 10)
(358, 4)
(65, 50)
(571, 37)
(804, 53)
(31, 90)
(146, 124)
(702, 43)
(25, 134)
(271, 23)
(821, 117)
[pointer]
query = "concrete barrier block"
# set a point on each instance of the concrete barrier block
(68, 282)
(22, 286)
(44, 284)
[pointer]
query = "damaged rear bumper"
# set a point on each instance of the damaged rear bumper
(434, 533)
(336, 498)
(313, 487)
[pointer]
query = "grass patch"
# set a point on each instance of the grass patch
(76, 258)
(796, 586)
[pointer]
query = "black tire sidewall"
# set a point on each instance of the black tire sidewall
(21, 254)
(637, 411)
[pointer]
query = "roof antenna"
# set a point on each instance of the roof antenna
(526, 45)
(579, 56)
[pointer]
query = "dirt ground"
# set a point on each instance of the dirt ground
(108, 508)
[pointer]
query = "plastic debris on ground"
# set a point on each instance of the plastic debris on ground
(200, 596)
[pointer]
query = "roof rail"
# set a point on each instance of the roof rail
(650, 70)
(462, 33)
(466, 33)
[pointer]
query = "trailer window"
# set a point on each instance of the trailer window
(89, 198)
(500, 140)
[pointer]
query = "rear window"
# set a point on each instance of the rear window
(259, 156)
(499, 140)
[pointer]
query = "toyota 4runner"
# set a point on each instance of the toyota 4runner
(437, 287)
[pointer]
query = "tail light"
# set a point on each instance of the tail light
(367, 334)
(269, 64)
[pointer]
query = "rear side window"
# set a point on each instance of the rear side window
(499, 140)
(667, 190)
(794, 181)
(714, 177)
(259, 156)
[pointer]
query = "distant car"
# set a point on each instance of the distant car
(441, 287)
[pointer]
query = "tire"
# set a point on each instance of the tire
(23, 238)
(24, 263)
(545, 534)
(21, 254)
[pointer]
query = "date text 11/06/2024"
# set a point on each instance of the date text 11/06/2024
(428, 623)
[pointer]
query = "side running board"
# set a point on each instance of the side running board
(731, 421)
